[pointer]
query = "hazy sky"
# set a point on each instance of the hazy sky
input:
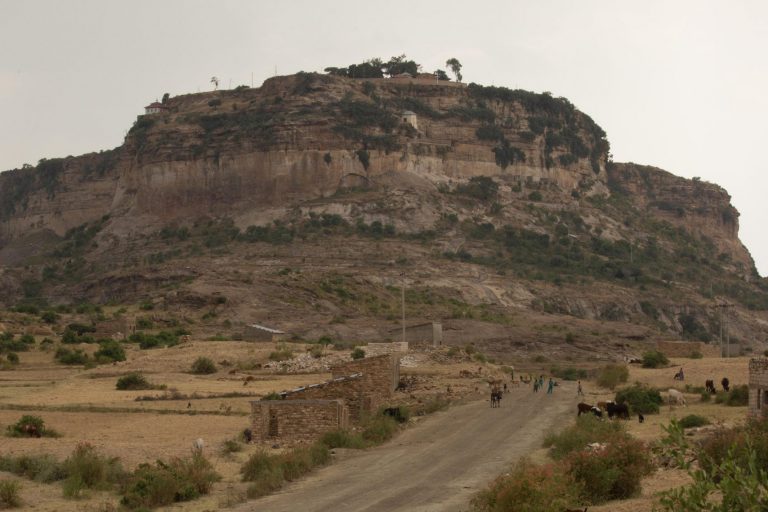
(682, 85)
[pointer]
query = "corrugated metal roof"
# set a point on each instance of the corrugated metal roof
(269, 330)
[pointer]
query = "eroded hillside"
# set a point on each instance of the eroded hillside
(306, 204)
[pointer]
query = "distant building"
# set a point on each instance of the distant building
(256, 332)
(758, 386)
(410, 118)
(401, 76)
(429, 334)
(154, 108)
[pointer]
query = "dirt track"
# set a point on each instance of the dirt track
(434, 466)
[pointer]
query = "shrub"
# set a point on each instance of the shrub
(654, 359)
(67, 356)
(168, 482)
(110, 350)
(9, 494)
(19, 429)
(358, 353)
(13, 357)
(40, 468)
(614, 472)
(696, 355)
(133, 381)
(568, 373)
(232, 446)
(738, 396)
(535, 196)
(283, 353)
(342, 439)
(588, 429)
(693, 420)
(641, 399)
(379, 429)
(203, 366)
(87, 469)
(612, 375)
(259, 465)
(529, 488)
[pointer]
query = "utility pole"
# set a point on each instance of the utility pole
(724, 329)
(402, 290)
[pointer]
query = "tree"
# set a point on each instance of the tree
(215, 82)
(165, 98)
(398, 65)
(455, 66)
(441, 75)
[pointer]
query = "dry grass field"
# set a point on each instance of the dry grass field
(84, 405)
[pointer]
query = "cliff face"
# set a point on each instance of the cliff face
(302, 137)
(697, 206)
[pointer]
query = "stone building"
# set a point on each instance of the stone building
(379, 349)
(758, 386)
(300, 421)
(410, 117)
(154, 108)
(305, 413)
(428, 334)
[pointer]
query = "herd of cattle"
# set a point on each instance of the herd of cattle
(618, 410)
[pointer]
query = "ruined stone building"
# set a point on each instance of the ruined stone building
(303, 414)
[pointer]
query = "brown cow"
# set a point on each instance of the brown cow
(31, 430)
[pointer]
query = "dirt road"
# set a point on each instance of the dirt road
(434, 466)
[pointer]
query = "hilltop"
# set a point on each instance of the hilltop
(305, 204)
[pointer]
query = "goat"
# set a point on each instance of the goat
(198, 445)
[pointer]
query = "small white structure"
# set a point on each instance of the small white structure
(410, 118)
(255, 332)
(154, 108)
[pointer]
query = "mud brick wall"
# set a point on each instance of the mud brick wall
(380, 376)
(350, 389)
(379, 349)
(297, 421)
(686, 348)
(758, 386)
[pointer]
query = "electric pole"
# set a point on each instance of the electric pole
(402, 290)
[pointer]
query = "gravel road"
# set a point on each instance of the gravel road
(436, 465)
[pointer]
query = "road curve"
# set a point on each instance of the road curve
(434, 466)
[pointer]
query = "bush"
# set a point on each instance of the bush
(641, 399)
(738, 396)
(693, 420)
(568, 373)
(358, 353)
(133, 381)
(588, 429)
(654, 359)
(612, 375)
(529, 488)
(343, 439)
(71, 357)
(110, 350)
(9, 494)
(21, 428)
(87, 469)
(203, 366)
(614, 472)
(283, 353)
(13, 358)
(40, 468)
(379, 429)
(169, 482)
(232, 446)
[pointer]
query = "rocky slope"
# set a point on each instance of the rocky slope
(319, 191)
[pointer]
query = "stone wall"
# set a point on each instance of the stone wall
(381, 374)
(758, 386)
(686, 348)
(429, 334)
(349, 388)
(297, 421)
(379, 349)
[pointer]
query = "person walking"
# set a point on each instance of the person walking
(579, 391)
(550, 386)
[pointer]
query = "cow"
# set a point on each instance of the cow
(676, 396)
(394, 413)
(247, 435)
(726, 383)
(640, 418)
(679, 375)
(597, 412)
(618, 410)
(584, 408)
(710, 385)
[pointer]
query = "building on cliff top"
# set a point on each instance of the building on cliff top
(155, 108)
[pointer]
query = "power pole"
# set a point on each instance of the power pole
(402, 290)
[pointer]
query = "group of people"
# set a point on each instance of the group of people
(539, 384)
